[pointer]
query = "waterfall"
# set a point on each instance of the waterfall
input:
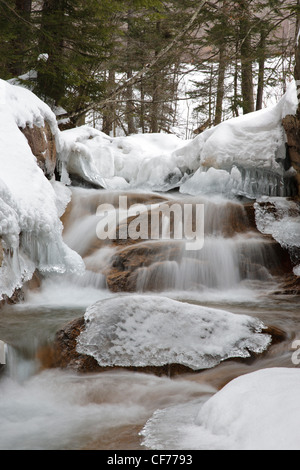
(234, 252)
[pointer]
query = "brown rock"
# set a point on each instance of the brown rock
(63, 354)
(42, 144)
(290, 286)
(122, 274)
(277, 334)
(18, 296)
(34, 283)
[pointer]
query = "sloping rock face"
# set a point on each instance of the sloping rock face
(43, 146)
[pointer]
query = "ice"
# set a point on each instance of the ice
(280, 217)
(146, 330)
(248, 182)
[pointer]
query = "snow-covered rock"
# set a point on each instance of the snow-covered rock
(256, 411)
(30, 228)
(141, 331)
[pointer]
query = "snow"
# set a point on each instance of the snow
(145, 330)
(29, 205)
(112, 162)
(270, 419)
(256, 411)
(242, 156)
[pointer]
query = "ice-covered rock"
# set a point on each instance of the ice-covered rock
(141, 331)
(280, 217)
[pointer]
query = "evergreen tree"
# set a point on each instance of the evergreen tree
(16, 37)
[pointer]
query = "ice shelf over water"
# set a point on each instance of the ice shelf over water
(30, 205)
(140, 331)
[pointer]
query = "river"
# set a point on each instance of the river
(60, 409)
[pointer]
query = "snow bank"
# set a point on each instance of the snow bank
(244, 155)
(257, 411)
(139, 331)
(29, 205)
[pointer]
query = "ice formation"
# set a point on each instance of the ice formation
(30, 205)
(139, 331)
(280, 218)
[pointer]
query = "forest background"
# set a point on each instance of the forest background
(135, 66)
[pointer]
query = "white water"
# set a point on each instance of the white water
(59, 409)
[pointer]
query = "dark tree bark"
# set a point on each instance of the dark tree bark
(261, 71)
(220, 87)
(246, 58)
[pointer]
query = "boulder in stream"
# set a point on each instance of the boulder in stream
(155, 334)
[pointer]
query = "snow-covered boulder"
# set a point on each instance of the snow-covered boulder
(30, 206)
(256, 411)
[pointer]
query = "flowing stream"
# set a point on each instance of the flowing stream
(238, 270)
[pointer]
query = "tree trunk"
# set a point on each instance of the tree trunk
(220, 87)
(261, 72)
(246, 59)
(109, 111)
(130, 110)
(154, 127)
(297, 58)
